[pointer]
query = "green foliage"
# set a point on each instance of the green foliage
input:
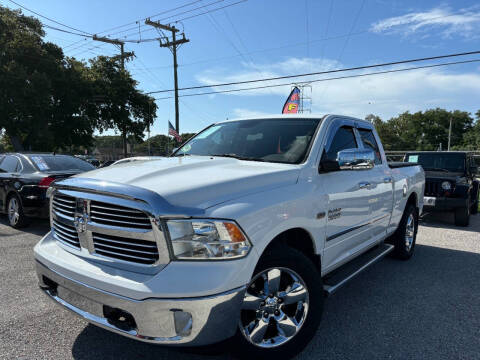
(161, 144)
(428, 130)
(49, 102)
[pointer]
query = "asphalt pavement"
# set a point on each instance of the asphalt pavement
(424, 308)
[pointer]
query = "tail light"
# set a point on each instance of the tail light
(45, 182)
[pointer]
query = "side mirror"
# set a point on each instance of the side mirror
(474, 170)
(356, 159)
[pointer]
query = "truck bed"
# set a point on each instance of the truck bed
(400, 164)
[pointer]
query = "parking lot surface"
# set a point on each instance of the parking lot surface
(425, 308)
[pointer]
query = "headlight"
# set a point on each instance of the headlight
(199, 239)
(446, 186)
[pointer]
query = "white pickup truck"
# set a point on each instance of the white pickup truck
(239, 235)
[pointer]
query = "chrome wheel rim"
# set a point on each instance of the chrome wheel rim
(409, 232)
(274, 308)
(13, 213)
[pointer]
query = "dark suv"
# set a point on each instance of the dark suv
(450, 183)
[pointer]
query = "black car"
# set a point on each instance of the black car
(25, 178)
(450, 183)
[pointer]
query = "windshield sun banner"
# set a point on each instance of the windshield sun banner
(293, 102)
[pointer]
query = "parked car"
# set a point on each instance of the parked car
(240, 236)
(90, 159)
(24, 179)
(137, 158)
(450, 182)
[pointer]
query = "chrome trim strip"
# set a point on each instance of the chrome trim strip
(334, 236)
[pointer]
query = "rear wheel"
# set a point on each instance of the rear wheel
(16, 217)
(282, 306)
(404, 238)
(462, 215)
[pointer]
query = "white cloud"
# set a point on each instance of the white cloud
(462, 22)
(242, 112)
(385, 95)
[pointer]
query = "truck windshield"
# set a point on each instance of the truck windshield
(269, 140)
(439, 161)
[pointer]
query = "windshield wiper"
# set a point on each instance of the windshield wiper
(436, 169)
(238, 157)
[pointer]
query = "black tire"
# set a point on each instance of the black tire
(290, 260)
(403, 249)
(462, 216)
(474, 208)
(17, 219)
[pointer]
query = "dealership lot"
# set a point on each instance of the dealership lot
(426, 308)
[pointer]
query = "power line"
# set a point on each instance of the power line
(152, 16)
(323, 72)
(49, 19)
(188, 17)
(162, 19)
(210, 11)
(326, 79)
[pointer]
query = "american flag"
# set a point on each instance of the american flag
(173, 132)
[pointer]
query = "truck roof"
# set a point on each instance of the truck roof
(292, 116)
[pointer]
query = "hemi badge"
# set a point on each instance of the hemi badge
(320, 215)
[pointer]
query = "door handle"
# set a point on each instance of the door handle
(364, 185)
(387, 180)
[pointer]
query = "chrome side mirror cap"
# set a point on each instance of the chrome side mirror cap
(356, 159)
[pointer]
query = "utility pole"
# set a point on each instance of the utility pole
(449, 133)
(123, 55)
(172, 45)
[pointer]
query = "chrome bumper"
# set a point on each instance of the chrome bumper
(187, 321)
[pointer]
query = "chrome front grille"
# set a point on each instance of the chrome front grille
(104, 229)
(127, 249)
(66, 234)
(120, 216)
(64, 205)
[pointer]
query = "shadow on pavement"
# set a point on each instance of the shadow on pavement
(424, 308)
(446, 220)
(35, 227)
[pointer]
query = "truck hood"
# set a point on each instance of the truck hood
(199, 181)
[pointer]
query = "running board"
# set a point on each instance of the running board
(332, 282)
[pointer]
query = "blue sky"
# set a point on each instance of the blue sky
(263, 38)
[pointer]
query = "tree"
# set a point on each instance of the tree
(121, 105)
(426, 130)
(44, 97)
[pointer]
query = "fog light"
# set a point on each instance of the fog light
(183, 322)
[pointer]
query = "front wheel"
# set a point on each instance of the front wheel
(282, 306)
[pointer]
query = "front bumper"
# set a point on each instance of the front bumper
(184, 321)
(443, 203)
